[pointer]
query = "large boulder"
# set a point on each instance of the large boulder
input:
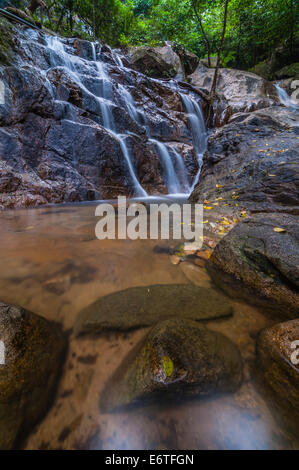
(177, 359)
(238, 91)
(252, 163)
(262, 253)
(144, 306)
(157, 62)
(278, 362)
(33, 355)
(189, 60)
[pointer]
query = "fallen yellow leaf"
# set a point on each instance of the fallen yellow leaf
(279, 230)
(168, 366)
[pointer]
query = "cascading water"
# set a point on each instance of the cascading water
(174, 169)
(106, 108)
(198, 129)
(285, 99)
(170, 176)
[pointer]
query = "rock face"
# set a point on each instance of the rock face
(262, 253)
(177, 359)
(277, 359)
(253, 162)
(55, 143)
(189, 61)
(157, 62)
(144, 306)
(34, 349)
(240, 91)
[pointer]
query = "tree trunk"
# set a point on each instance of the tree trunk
(203, 32)
(214, 84)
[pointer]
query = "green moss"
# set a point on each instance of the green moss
(289, 71)
(6, 42)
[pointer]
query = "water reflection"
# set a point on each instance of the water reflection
(52, 264)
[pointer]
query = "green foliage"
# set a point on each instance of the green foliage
(255, 28)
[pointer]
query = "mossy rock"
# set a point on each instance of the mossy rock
(290, 71)
(178, 359)
(144, 306)
(7, 52)
(262, 69)
(34, 351)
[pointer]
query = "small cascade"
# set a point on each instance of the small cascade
(130, 104)
(175, 183)
(198, 129)
(170, 176)
(182, 172)
(285, 99)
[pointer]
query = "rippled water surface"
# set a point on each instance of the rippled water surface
(52, 264)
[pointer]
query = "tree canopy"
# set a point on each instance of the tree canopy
(255, 28)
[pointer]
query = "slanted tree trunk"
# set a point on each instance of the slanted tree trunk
(35, 4)
(208, 44)
(215, 78)
(292, 28)
(214, 83)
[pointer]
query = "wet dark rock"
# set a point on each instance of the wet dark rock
(253, 162)
(34, 351)
(189, 60)
(144, 306)
(265, 260)
(178, 359)
(83, 49)
(277, 360)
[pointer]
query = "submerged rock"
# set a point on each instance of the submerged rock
(278, 361)
(262, 253)
(177, 359)
(144, 306)
(33, 352)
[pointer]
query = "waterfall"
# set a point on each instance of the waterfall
(198, 130)
(170, 176)
(182, 174)
(103, 100)
(130, 104)
(285, 99)
(175, 173)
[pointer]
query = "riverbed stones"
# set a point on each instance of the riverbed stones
(31, 361)
(144, 306)
(278, 361)
(262, 253)
(178, 359)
